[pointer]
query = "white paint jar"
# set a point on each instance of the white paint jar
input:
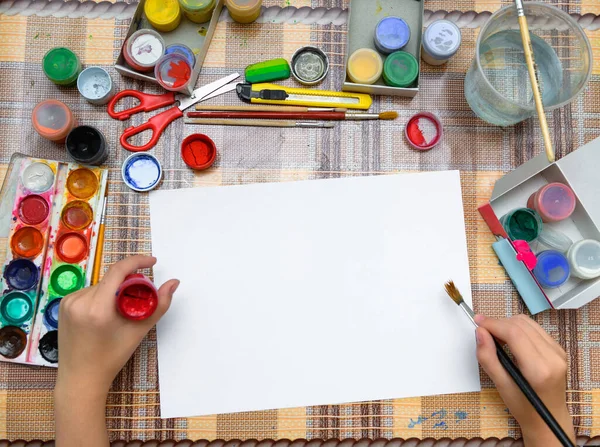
(441, 41)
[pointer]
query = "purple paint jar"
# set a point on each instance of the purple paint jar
(391, 34)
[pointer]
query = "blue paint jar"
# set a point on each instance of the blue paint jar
(391, 34)
(552, 269)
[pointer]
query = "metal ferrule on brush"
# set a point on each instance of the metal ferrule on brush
(520, 9)
(469, 312)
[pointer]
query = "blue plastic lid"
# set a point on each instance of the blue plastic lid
(442, 39)
(391, 34)
(552, 269)
(184, 50)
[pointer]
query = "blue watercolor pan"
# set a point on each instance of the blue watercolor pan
(51, 314)
(141, 172)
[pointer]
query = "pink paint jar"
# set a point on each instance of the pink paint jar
(553, 202)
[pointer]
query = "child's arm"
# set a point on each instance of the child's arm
(543, 363)
(94, 342)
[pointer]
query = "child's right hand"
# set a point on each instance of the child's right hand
(543, 363)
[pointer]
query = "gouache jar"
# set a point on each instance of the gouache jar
(173, 71)
(143, 49)
(87, 145)
(198, 11)
(584, 257)
(184, 50)
(53, 120)
(164, 15)
(244, 11)
(522, 224)
(391, 35)
(61, 66)
(400, 69)
(365, 66)
(137, 297)
(552, 269)
(441, 41)
(95, 85)
(553, 202)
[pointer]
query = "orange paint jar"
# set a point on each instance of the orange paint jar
(53, 120)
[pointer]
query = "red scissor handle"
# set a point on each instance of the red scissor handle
(157, 124)
(147, 103)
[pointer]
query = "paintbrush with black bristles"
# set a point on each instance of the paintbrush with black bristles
(515, 373)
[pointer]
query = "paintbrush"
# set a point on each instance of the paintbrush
(257, 123)
(338, 116)
(537, 95)
(268, 108)
(100, 243)
(515, 373)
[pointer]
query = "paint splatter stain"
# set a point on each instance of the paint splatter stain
(419, 421)
(460, 416)
(36, 36)
(378, 7)
(90, 37)
(441, 414)
(441, 425)
(32, 83)
(202, 31)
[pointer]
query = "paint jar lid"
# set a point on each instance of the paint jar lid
(198, 5)
(95, 85)
(441, 39)
(365, 66)
(310, 65)
(243, 6)
(556, 240)
(52, 119)
(51, 313)
(137, 298)
(173, 71)
(552, 269)
(16, 308)
(141, 172)
(584, 257)
(164, 15)
(401, 69)
(391, 34)
(21, 274)
(143, 49)
(198, 151)
(555, 202)
(66, 278)
(423, 131)
(13, 341)
(184, 50)
(61, 66)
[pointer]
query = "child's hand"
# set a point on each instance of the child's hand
(94, 340)
(543, 363)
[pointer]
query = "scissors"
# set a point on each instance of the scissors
(158, 123)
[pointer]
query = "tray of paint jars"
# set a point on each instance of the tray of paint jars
(49, 221)
(383, 50)
(556, 210)
(172, 34)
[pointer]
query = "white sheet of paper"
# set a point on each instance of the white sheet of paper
(310, 293)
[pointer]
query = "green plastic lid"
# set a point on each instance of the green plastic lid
(400, 69)
(62, 66)
(16, 308)
(66, 279)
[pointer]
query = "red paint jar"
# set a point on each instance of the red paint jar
(553, 202)
(137, 298)
(198, 151)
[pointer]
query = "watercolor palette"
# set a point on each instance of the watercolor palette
(49, 217)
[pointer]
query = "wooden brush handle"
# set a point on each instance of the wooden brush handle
(238, 122)
(528, 50)
(271, 115)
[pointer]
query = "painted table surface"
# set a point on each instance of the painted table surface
(482, 153)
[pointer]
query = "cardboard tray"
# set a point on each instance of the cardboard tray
(197, 36)
(363, 18)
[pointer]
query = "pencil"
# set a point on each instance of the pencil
(294, 115)
(100, 244)
(515, 373)
(537, 95)
(257, 123)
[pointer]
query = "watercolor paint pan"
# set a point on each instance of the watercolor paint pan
(66, 213)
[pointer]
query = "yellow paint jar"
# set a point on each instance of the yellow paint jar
(164, 15)
(199, 11)
(365, 66)
(244, 11)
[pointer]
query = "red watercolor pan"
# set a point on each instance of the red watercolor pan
(198, 151)
(33, 209)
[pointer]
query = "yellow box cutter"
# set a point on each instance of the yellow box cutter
(279, 94)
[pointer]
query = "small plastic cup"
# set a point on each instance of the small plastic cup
(522, 224)
(198, 11)
(184, 50)
(87, 145)
(552, 269)
(400, 69)
(584, 257)
(198, 151)
(137, 297)
(173, 72)
(365, 66)
(555, 240)
(61, 66)
(553, 202)
(424, 131)
(391, 35)
(95, 85)
(53, 120)
(141, 172)
(441, 41)
(143, 49)
(244, 11)
(164, 15)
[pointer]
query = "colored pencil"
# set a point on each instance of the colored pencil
(537, 95)
(515, 373)
(256, 123)
(100, 243)
(268, 108)
(296, 115)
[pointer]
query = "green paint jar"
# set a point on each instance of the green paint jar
(400, 69)
(66, 279)
(61, 66)
(16, 308)
(199, 11)
(522, 224)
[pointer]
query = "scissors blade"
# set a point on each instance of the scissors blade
(220, 91)
(200, 93)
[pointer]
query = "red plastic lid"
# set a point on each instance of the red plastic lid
(137, 297)
(424, 131)
(198, 151)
